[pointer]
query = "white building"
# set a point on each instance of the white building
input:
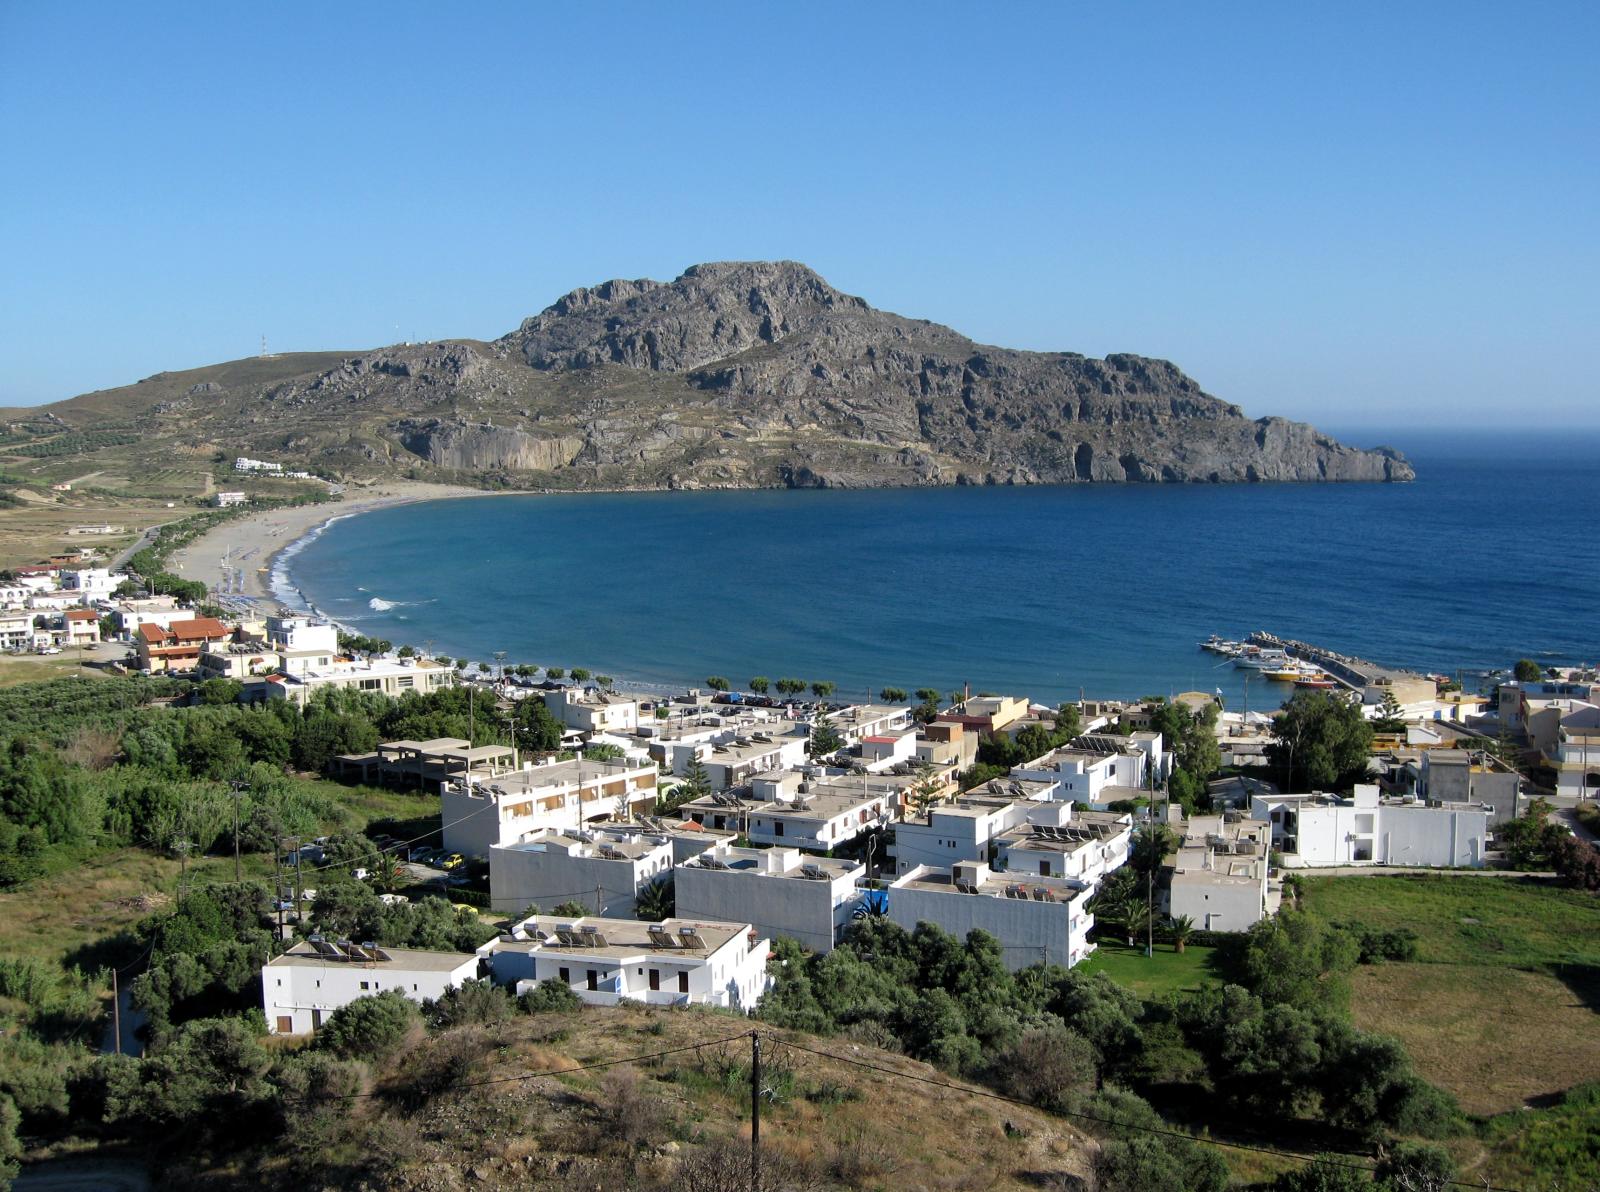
(885, 751)
(1097, 770)
(676, 962)
(1038, 920)
(245, 464)
(1219, 876)
(604, 868)
(780, 890)
(300, 988)
(963, 830)
(304, 638)
(592, 710)
(868, 720)
(16, 629)
(479, 813)
(90, 583)
(160, 611)
(226, 500)
(1060, 842)
(392, 677)
(1574, 754)
(785, 808)
(1318, 830)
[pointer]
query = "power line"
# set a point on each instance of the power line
(1089, 1117)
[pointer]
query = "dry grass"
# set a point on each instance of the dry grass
(24, 669)
(1496, 1038)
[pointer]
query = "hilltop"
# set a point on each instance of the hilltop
(736, 374)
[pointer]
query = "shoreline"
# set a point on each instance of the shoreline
(238, 558)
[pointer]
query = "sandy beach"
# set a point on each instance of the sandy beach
(247, 545)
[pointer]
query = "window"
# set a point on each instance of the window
(285, 1024)
(566, 976)
(370, 684)
(364, 985)
(777, 829)
(280, 982)
(1044, 868)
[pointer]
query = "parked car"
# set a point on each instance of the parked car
(452, 860)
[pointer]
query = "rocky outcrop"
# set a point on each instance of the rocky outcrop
(483, 448)
(738, 374)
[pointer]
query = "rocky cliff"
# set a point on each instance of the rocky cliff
(737, 374)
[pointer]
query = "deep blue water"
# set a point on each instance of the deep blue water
(1487, 557)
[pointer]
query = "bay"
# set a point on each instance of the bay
(1050, 591)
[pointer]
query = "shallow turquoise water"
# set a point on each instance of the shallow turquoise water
(1488, 556)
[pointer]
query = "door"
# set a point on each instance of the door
(594, 979)
(316, 1020)
(655, 979)
(285, 1024)
(683, 982)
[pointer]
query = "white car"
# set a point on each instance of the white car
(49, 649)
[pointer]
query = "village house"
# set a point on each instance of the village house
(80, 627)
(315, 977)
(1100, 769)
(601, 866)
(161, 611)
(591, 710)
(16, 629)
(787, 808)
(1316, 830)
(946, 743)
(677, 962)
(479, 812)
(868, 720)
(1057, 841)
(178, 646)
(963, 830)
(1037, 920)
(782, 891)
(1218, 879)
(1460, 776)
(386, 676)
(985, 713)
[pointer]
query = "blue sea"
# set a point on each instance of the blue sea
(1487, 557)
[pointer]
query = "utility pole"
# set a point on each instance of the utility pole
(299, 886)
(116, 1013)
(183, 866)
(755, 1112)
(277, 880)
(239, 787)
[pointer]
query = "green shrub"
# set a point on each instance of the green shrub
(551, 995)
(369, 1027)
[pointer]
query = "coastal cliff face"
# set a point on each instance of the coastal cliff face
(737, 375)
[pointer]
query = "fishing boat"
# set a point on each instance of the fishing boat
(1255, 658)
(1320, 680)
(1289, 672)
(1219, 645)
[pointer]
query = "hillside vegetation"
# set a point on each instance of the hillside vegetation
(736, 374)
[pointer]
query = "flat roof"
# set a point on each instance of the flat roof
(305, 955)
(625, 938)
(996, 885)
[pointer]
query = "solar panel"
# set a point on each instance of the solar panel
(691, 938)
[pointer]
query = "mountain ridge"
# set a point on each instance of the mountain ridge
(733, 374)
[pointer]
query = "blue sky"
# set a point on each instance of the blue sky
(1363, 215)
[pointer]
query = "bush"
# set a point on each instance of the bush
(552, 995)
(1375, 943)
(1049, 1067)
(470, 1003)
(1416, 1167)
(369, 1027)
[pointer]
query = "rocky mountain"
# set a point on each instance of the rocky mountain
(738, 374)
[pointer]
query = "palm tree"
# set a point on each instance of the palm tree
(656, 901)
(1182, 929)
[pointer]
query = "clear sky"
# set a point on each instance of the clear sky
(1364, 215)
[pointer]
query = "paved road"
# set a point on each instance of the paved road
(1569, 817)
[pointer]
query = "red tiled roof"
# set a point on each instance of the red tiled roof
(200, 627)
(151, 632)
(82, 614)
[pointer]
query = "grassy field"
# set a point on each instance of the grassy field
(1500, 1006)
(70, 915)
(1153, 977)
(1470, 920)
